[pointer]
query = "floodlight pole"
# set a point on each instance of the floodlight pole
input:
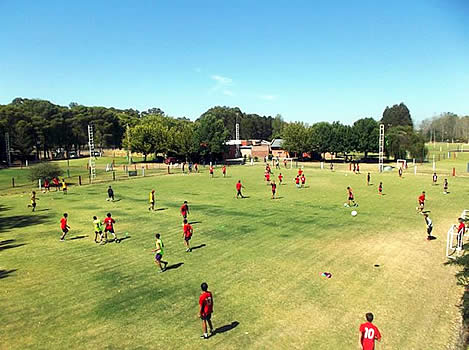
(129, 155)
(237, 136)
(381, 148)
(92, 155)
(7, 146)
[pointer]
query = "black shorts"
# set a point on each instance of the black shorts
(33, 205)
(207, 317)
(187, 238)
(98, 232)
(111, 230)
(65, 230)
(350, 198)
(429, 230)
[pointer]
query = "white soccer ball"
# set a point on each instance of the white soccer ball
(354, 213)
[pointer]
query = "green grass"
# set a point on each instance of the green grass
(262, 260)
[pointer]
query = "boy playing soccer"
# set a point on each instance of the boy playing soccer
(206, 309)
(33, 200)
(211, 171)
(64, 186)
(429, 224)
(303, 180)
(98, 230)
(400, 172)
(184, 210)
(280, 178)
(461, 231)
(187, 234)
(238, 189)
(421, 200)
(351, 198)
(368, 179)
(223, 170)
(109, 227)
(380, 188)
(434, 179)
(152, 200)
(64, 226)
(368, 333)
(274, 188)
(297, 181)
(110, 194)
(445, 186)
(159, 253)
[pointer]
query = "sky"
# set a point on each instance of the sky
(306, 60)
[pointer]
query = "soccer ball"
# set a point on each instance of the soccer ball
(354, 213)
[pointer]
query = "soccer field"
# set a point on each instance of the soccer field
(261, 258)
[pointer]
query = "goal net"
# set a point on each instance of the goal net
(402, 163)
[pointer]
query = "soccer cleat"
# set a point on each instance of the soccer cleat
(204, 336)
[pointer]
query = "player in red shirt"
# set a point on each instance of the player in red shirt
(297, 181)
(184, 210)
(380, 188)
(303, 180)
(223, 170)
(267, 177)
(46, 185)
(351, 198)
(368, 333)
(421, 201)
(274, 188)
(211, 170)
(239, 186)
(187, 234)
(300, 172)
(280, 178)
(206, 309)
(109, 227)
(461, 231)
(64, 226)
(55, 181)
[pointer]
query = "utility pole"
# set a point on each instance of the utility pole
(92, 156)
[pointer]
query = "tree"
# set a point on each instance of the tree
(397, 115)
(321, 138)
(211, 135)
(401, 140)
(296, 138)
(45, 171)
(277, 126)
(365, 135)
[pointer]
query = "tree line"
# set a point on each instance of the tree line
(41, 129)
(446, 127)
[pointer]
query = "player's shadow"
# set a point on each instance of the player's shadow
(45, 209)
(278, 197)
(124, 238)
(174, 266)
(116, 200)
(226, 328)
(78, 237)
(195, 222)
(160, 209)
(6, 273)
(426, 211)
(9, 244)
(431, 238)
(198, 246)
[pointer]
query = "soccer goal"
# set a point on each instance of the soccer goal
(402, 163)
(289, 162)
(453, 242)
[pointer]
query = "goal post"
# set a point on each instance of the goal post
(453, 242)
(402, 163)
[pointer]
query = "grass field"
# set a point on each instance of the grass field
(262, 259)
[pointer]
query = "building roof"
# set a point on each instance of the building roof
(276, 143)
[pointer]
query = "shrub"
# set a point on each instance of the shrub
(45, 171)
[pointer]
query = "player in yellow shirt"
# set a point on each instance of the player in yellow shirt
(98, 230)
(152, 200)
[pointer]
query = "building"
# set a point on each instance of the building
(277, 150)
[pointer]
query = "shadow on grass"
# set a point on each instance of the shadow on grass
(174, 266)
(6, 273)
(124, 238)
(160, 209)
(431, 238)
(195, 222)
(199, 246)
(7, 244)
(226, 328)
(20, 221)
(77, 237)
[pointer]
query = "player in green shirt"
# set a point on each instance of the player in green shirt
(159, 253)
(98, 230)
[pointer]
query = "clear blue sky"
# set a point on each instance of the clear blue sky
(307, 60)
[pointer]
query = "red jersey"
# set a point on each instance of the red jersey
(184, 209)
(280, 177)
(223, 169)
(63, 223)
(108, 222)
(55, 181)
(303, 179)
(421, 198)
(238, 186)
(369, 333)
(211, 170)
(187, 228)
(350, 193)
(206, 303)
(274, 187)
(297, 180)
(461, 228)
(267, 177)
(46, 183)
(300, 172)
